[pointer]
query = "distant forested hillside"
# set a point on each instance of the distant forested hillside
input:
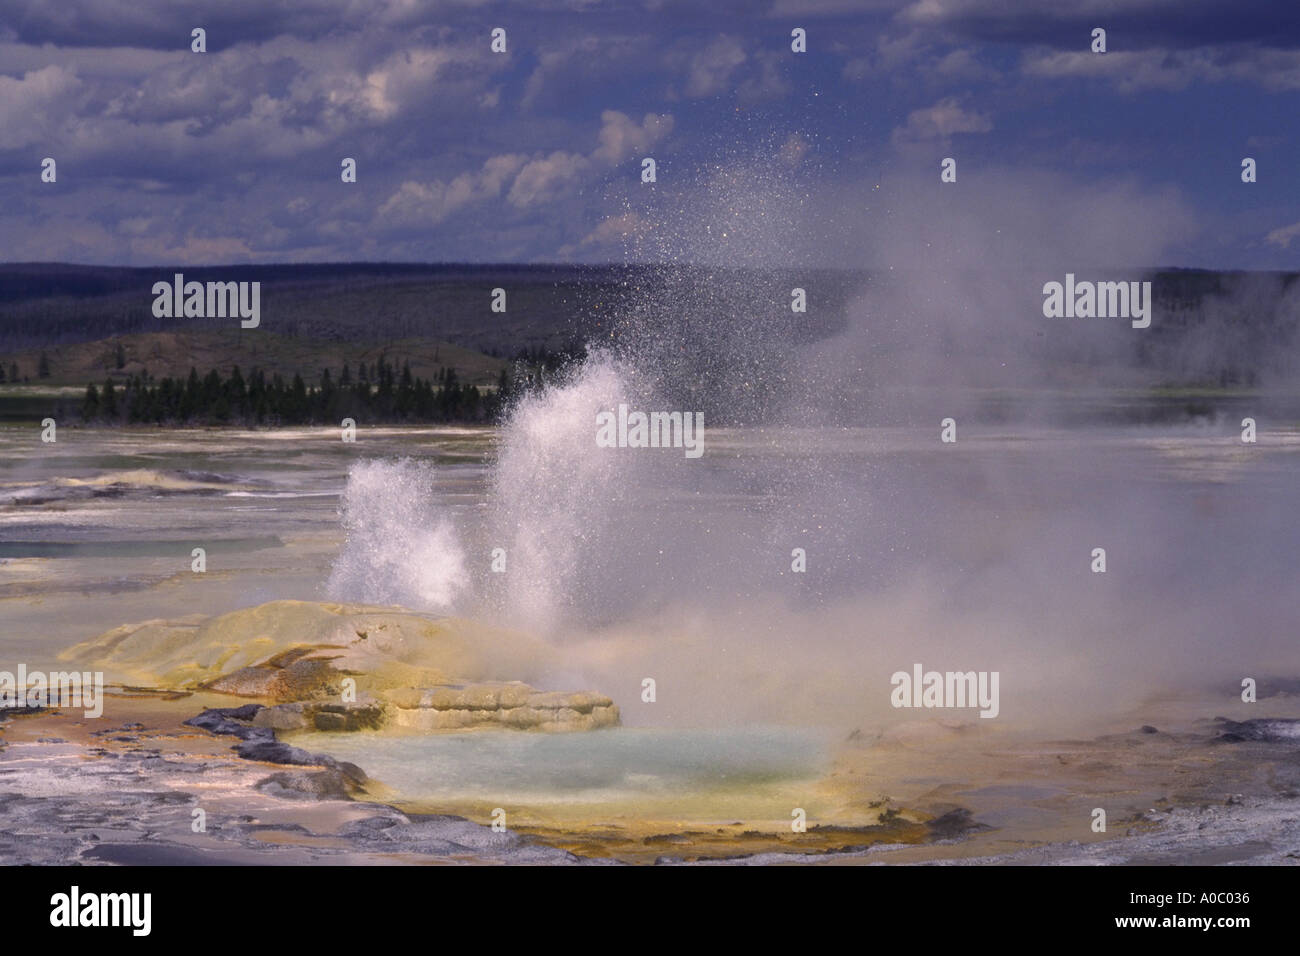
(45, 304)
(717, 338)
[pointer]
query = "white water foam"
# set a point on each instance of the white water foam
(558, 500)
(399, 549)
(558, 505)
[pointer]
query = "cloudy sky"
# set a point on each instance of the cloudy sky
(832, 156)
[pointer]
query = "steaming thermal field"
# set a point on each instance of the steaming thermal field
(899, 579)
(789, 558)
(642, 563)
(769, 591)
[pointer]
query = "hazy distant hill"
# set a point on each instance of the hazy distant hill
(43, 304)
(48, 304)
(1210, 328)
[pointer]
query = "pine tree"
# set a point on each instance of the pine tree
(503, 392)
(90, 405)
(238, 392)
(109, 401)
(189, 399)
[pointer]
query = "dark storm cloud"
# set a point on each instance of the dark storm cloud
(129, 23)
(1130, 24)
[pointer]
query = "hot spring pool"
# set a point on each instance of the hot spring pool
(622, 764)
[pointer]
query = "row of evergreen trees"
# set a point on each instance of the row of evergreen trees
(379, 393)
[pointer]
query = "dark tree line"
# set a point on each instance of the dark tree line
(377, 393)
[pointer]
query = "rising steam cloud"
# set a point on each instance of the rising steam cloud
(970, 557)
